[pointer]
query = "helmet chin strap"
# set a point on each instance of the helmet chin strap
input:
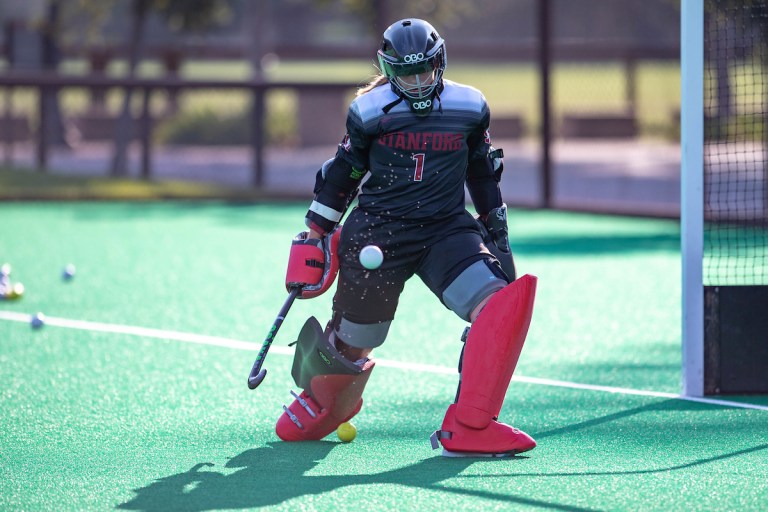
(437, 96)
(389, 106)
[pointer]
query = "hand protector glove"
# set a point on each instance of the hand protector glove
(313, 263)
(496, 237)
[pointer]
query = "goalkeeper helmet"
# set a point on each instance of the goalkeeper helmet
(413, 58)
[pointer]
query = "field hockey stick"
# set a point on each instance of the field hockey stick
(257, 374)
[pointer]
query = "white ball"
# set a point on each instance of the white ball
(371, 257)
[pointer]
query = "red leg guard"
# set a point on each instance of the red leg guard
(490, 356)
(330, 401)
(492, 350)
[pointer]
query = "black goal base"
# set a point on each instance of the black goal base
(735, 340)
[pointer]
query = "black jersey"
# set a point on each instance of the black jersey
(416, 165)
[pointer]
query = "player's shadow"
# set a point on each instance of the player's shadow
(275, 473)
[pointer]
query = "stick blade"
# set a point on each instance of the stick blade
(254, 381)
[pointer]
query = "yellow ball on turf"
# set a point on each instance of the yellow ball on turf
(16, 291)
(346, 432)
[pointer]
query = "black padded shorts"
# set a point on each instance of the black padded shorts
(436, 251)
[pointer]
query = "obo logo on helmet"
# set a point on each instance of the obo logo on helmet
(413, 57)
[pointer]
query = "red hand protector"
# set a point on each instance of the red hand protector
(305, 262)
(313, 263)
(330, 270)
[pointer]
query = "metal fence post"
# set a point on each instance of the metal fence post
(42, 129)
(546, 129)
(257, 136)
(146, 134)
(8, 131)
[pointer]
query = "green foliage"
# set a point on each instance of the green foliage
(193, 15)
(209, 124)
(443, 13)
(86, 18)
(205, 127)
(742, 127)
(89, 17)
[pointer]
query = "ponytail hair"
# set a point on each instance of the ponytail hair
(377, 81)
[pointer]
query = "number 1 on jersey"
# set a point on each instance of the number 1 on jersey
(419, 172)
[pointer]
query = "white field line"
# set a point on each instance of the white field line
(426, 368)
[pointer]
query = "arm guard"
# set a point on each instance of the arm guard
(483, 176)
(336, 185)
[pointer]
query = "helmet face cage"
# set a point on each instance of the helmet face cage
(414, 66)
(413, 58)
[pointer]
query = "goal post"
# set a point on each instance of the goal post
(692, 193)
(724, 196)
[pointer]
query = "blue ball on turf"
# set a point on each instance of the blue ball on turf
(68, 273)
(37, 320)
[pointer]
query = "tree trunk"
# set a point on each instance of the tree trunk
(50, 58)
(124, 130)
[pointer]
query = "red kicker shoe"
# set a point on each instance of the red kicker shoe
(495, 440)
(331, 400)
(304, 420)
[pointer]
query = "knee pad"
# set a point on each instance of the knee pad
(362, 335)
(474, 284)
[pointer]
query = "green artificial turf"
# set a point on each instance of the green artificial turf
(93, 419)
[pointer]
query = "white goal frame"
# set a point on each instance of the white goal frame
(692, 194)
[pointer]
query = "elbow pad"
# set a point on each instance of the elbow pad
(496, 157)
(492, 165)
(495, 235)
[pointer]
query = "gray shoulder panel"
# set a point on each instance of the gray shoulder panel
(456, 96)
(368, 106)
